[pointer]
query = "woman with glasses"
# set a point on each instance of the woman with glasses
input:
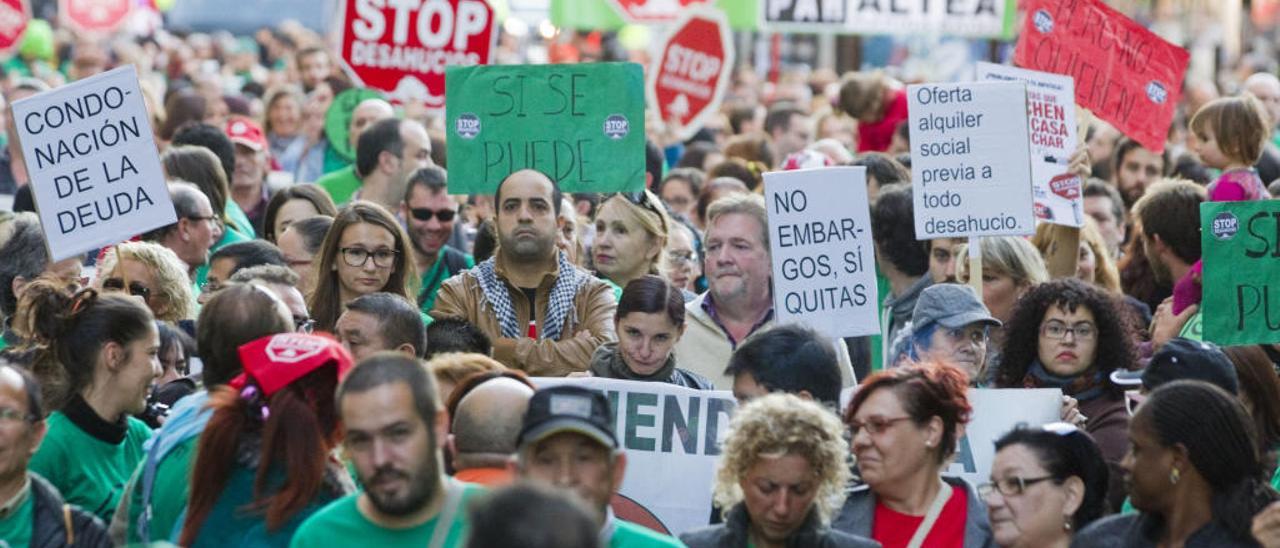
(98, 360)
(365, 251)
(631, 237)
(649, 322)
(1193, 472)
(151, 272)
(1070, 335)
(1046, 483)
(291, 204)
(683, 265)
(781, 478)
(906, 422)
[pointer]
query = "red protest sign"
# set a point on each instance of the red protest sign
(1123, 72)
(653, 11)
(14, 15)
(95, 15)
(403, 50)
(689, 76)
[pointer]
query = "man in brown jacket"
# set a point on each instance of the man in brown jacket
(545, 315)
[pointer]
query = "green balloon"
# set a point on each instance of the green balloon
(337, 120)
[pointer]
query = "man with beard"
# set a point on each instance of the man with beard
(545, 315)
(1168, 217)
(1134, 169)
(395, 429)
(429, 214)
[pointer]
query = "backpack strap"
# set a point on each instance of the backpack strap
(67, 521)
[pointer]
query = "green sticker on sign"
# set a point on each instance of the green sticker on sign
(581, 125)
(337, 120)
(1240, 244)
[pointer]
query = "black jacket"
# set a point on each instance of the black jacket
(51, 516)
(811, 534)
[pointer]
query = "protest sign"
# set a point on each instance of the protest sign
(14, 15)
(403, 48)
(672, 436)
(94, 170)
(970, 159)
(965, 18)
(1124, 73)
(996, 412)
(581, 125)
(820, 242)
(1051, 110)
(102, 16)
(1240, 243)
(689, 75)
(654, 11)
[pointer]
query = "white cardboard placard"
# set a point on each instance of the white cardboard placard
(93, 164)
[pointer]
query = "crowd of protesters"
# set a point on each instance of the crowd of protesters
(327, 348)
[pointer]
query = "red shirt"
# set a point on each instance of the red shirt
(877, 136)
(894, 529)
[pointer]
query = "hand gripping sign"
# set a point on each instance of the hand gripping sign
(402, 47)
(689, 74)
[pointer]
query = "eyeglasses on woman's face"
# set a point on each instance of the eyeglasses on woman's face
(135, 288)
(356, 257)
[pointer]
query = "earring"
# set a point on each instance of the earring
(1066, 524)
(1173, 476)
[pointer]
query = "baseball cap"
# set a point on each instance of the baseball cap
(275, 361)
(568, 408)
(952, 306)
(244, 131)
(1183, 359)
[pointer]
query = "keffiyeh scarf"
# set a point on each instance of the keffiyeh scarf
(568, 281)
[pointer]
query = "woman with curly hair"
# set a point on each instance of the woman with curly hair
(906, 424)
(1071, 335)
(781, 478)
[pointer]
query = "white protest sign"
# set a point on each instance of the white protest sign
(996, 411)
(1051, 111)
(94, 169)
(671, 435)
(970, 160)
(820, 243)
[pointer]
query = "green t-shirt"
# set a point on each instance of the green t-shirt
(341, 184)
(239, 221)
(89, 472)
(342, 524)
(229, 524)
(169, 494)
(16, 528)
(435, 277)
(630, 535)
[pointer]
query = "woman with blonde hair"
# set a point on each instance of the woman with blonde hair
(152, 272)
(781, 478)
(631, 237)
(1010, 266)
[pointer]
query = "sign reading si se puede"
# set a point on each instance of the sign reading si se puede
(1123, 72)
(1051, 110)
(1240, 242)
(581, 125)
(403, 48)
(967, 18)
(671, 435)
(970, 160)
(820, 243)
(92, 160)
(690, 73)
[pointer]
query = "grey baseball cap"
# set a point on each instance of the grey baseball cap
(951, 305)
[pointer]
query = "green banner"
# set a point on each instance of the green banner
(1241, 256)
(580, 124)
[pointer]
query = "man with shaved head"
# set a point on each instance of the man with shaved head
(544, 315)
(486, 423)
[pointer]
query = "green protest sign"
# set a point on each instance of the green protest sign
(582, 125)
(1241, 254)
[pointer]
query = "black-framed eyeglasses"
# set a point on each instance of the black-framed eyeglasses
(134, 288)
(1011, 486)
(217, 221)
(358, 256)
(423, 214)
(1083, 331)
(9, 414)
(303, 324)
